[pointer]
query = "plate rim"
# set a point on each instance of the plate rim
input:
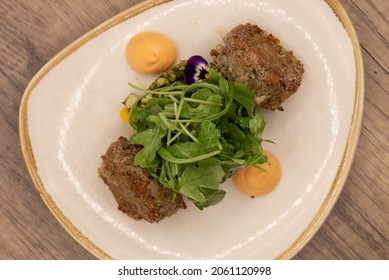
(331, 196)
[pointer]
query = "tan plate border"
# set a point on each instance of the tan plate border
(319, 217)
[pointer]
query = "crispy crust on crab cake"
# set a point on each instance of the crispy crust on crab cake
(256, 58)
(138, 194)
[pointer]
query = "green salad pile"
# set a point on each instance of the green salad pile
(195, 135)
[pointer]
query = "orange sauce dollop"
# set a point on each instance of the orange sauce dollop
(255, 182)
(150, 53)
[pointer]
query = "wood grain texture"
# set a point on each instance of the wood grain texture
(31, 32)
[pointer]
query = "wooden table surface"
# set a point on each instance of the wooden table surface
(32, 32)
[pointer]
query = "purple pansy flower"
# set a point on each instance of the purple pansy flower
(196, 69)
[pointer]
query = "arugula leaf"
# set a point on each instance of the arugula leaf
(214, 196)
(257, 125)
(234, 134)
(203, 110)
(202, 94)
(202, 184)
(186, 149)
(166, 155)
(244, 96)
(209, 134)
(150, 139)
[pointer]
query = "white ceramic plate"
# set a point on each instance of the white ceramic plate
(70, 114)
